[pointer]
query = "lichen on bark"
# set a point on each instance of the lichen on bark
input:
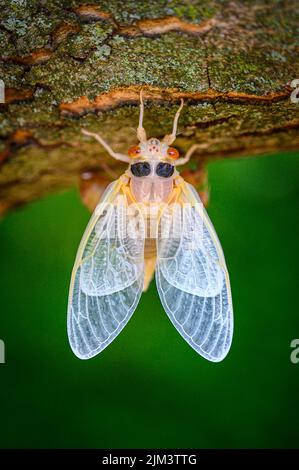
(71, 64)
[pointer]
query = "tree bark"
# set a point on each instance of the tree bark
(67, 65)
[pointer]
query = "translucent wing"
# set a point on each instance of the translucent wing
(192, 277)
(107, 277)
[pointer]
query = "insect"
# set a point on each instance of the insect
(150, 221)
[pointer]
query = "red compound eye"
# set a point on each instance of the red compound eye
(134, 151)
(173, 153)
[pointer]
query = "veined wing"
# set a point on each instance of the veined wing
(192, 277)
(107, 277)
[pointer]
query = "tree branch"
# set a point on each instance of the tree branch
(82, 66)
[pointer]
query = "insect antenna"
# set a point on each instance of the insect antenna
(169, 138)
(141, 134)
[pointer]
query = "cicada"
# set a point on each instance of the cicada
(150, 221)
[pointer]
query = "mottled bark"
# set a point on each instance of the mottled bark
(68, 65)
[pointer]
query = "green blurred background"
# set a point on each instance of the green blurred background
(149, 388)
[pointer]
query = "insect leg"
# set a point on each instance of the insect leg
(186, 158)
(168, 139)
(141, 134)
(116, 155)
